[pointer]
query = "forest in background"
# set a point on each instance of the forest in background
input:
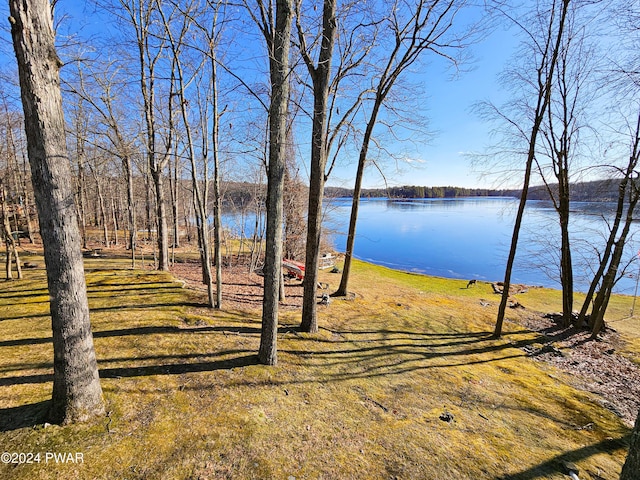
(593, 191)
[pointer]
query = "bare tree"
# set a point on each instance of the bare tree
(275, 26)
(181, 21)
(215, 154)
(98, 172)
(561, 138)
(546, 38)
(606, 275)
(77, 395)
(99, 91)
(425, 26)
(17, 173)
(9, 240)
(210, 126)
(143, 17)
(321, 78)
(348, 34)
(623, 78)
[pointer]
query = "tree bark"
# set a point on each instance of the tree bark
(217, 196)
(12, 249)
(279, 44)
(161, 215)
(81, 193)
(601, 301)
(114, 217)
(357, 190)
(103, 210)
(77, 395)
(544, 81)
(566, 264)
(27, 205)
(320, 75)
(631, 466)
(133, 235)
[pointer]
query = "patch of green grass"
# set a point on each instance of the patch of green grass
(369, 396)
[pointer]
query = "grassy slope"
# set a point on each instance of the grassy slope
(361, 399)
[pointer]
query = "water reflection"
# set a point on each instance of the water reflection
(467, 237)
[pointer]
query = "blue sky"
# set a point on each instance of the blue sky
(454, 128)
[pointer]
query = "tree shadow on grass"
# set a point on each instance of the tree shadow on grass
(148, 306)
(179, 368)
(21, 296)
(23, 416)
(554, 466)
(155, 330)
(148, 370)
(141, 306)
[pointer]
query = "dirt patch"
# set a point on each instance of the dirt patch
(595, 365)
(242, 289)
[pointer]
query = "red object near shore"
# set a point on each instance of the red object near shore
(293, 269)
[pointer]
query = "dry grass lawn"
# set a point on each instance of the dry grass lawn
(402, 382)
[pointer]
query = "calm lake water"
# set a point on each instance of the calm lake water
(469, 238)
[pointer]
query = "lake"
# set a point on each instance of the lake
(469, 238)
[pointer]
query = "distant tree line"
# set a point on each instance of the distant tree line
(416, 191)
(592, 191)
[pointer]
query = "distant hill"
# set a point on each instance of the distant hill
(244, 193)
(594, 191)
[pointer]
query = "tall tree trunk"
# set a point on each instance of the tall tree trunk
(173, 186)
(566, 273)
(114, 218)
(320, 76)
(566, 265)
(140, 15)
(77, 395)
(147, 204)
(12, 164)
(131, 210)
(82, 200)
(279, 73)
(200, 194)
(601, 301)
(161, 217)
(419, 28)
(103, 210)
(217, 200)
(10, 242)
(357, 190)
(27, 204)
(608, 257)
(545, 71)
